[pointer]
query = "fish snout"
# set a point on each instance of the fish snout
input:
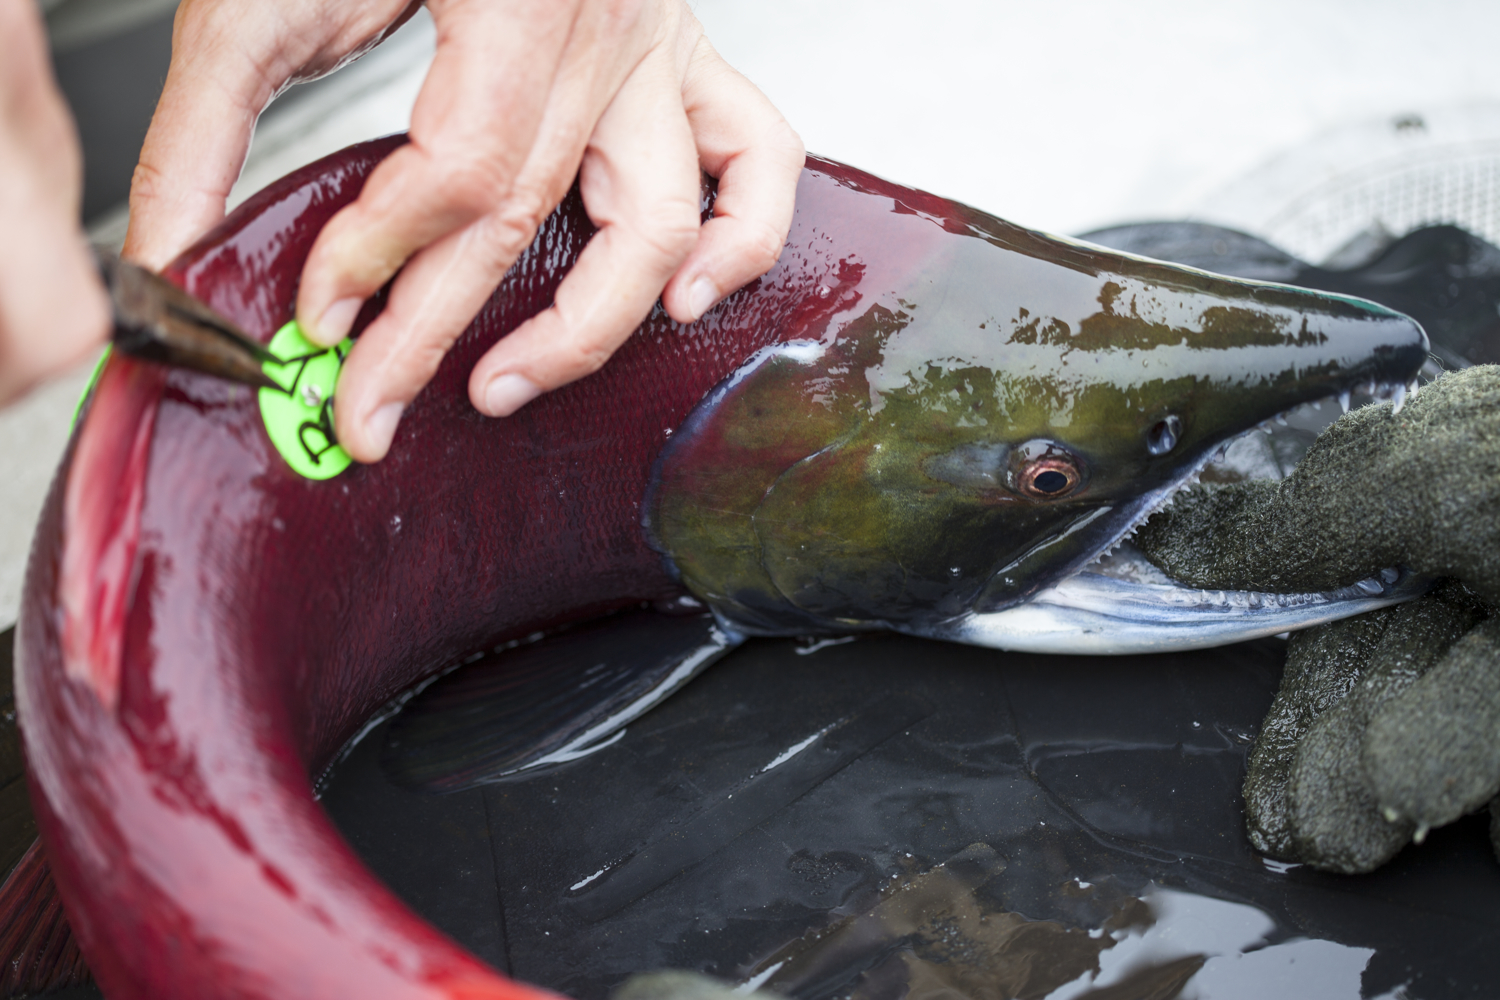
(1339, 346)
(1379, 352)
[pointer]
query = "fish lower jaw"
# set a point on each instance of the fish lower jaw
(1096, 614)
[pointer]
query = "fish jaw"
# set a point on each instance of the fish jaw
(1094, 614)
(885, 474)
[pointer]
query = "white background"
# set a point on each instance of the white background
(1072, 115)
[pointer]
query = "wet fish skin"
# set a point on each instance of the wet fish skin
(202, 629)
(896, 497)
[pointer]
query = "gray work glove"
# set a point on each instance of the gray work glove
(1386, 724)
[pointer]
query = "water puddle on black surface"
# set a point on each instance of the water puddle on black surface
(939, 933)
(892, 818)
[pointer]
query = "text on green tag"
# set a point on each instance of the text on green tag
(299, 419)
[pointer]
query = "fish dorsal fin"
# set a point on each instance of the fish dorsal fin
(547, 702)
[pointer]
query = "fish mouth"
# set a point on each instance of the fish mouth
(1095, 612)
(1119, 603)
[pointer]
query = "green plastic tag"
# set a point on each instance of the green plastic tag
(299, 419)
(89, 386)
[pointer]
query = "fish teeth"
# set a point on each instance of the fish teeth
(1344, 400)
(1163, 501)
(1398, 398)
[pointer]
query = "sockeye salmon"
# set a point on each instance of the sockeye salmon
(923, 418)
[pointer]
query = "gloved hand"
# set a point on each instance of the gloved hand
(1386, 724)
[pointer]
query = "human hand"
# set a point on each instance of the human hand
(53, 309)
(627, 95)
(1388, 723)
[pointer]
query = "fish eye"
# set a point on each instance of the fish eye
(1050, 481)
(1045, 470)
(1048, 478)
(1164, 434)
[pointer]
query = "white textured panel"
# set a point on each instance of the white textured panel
(1075, 115)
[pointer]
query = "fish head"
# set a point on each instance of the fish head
(1014, 409)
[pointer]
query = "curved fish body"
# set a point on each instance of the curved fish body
(203, 628)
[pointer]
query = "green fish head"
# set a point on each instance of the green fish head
(1009, 412)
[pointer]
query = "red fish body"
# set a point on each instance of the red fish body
(203, 628)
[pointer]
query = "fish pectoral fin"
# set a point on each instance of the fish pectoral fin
(548, 702)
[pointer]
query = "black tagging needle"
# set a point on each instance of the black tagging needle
(157, 321)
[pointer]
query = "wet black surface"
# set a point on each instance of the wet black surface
(1119, 772)
(17, 825)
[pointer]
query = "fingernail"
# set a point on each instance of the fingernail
(380, 425)
(701, 297)
(333, 326)
(508, 393)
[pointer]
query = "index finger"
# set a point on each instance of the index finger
(746, 143)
